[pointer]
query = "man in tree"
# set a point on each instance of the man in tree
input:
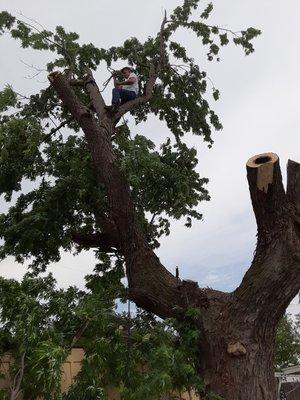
(125, 90)
(107, 185)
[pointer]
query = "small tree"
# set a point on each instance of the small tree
(36, 321)
(97, 190)
(287, 347)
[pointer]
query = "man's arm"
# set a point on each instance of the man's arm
(129, 81)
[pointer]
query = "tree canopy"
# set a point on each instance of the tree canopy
(66, 194)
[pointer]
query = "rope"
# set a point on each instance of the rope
(105, 84)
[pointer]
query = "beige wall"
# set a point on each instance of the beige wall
(69, 370)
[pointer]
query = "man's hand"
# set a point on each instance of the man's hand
(116, 83)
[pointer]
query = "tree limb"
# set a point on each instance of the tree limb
(103, 241)
(79, 333)
(274, 276)
(94, 93)
(57, 128)
(77, 82)
(153, 75)
(267, 192)
(151, 285)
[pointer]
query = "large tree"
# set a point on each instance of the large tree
(97, 189)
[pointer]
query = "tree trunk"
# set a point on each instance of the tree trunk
(239, 376)
(236, 356)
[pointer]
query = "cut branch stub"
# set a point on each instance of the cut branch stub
(273, 279)
(267, 192)
(263, 164)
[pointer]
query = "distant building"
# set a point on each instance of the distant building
(289, 383)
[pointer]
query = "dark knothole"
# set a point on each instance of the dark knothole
(263, 160)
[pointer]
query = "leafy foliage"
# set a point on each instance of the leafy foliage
(150, 361)
(8, 98)
(141, 356)
(66, 194)
(37, 323)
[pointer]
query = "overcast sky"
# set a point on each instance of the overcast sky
(259, 108)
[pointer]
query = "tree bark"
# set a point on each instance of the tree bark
(237, 329)
(235, 362)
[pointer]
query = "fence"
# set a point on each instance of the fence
(69, 370)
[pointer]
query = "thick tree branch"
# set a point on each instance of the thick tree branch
(274, 276)
(151, 285)
(96, 98)
(105, 242)
(76, 82)
(268, 197)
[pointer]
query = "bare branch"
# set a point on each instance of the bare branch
(79, 333)
(39, 30)
(189, 24)
(57, 128)
(162, 46)
(33, 21)
(62, 46)
(153, 75)
(234, 33)
(38, 71)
